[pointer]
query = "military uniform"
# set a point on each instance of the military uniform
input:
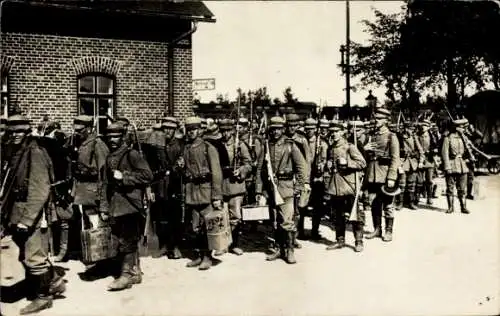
(429, 147)
(287, 163)
(168, 189)
(233, 185)
(316, 164)
(344, 162)
(382, 169)
(473, 136)
(255, 147)
(455, 157)
(411, 157)
(32, 175)
(203, 188)
(293, 120)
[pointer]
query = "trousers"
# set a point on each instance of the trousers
(33, 250)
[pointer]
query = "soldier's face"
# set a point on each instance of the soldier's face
(227, 134)
(243, 129)
(379, 122)
(115, 141)
(192, 133)
(292, 129)
(276, 133)
(18, 137)
(310, 132)
(323, 131)
(169, 132)
(460, 129)
(337, 135)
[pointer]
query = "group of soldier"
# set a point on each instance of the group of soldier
(295, 167)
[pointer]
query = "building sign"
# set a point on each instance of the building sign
(203, 84)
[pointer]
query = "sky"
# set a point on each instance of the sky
(279, 44)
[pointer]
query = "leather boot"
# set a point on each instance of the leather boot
(399, 202)
(413, 200)
(57, 285)
(389, 222)
(358, 236)
(125, 279)
(290, 256)
(62, 256)
(296, 244)
(451, 206)
(316, 220)
(434, 191)
(43, 298)
(195, 262)
(206, 262)
(136, 277)
(176, 253)
(463, 205)
(338, 245)
(236, 236)
(300, 228)
(428, 188)
(377, 223)
(279, 250)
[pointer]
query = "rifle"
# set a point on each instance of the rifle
(237, 136)
(250, 137)
(278, 200)
(317, 149)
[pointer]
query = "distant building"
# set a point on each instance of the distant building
(124, 58)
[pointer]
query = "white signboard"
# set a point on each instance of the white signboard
(203, 84)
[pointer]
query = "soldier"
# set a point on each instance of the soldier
(32, 174)
(411, 158)
(429, 148)
(286, 161)
(382, 151)
(344, 161)
(474, 137)
(90, 160)
(126, 175)
(324, 125)
(292, 126)
(317, 152)
(455, 157)
(253, 141)
(234, 175)
(203, 187)
(169, 191)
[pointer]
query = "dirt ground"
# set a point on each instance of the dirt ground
(437, 264)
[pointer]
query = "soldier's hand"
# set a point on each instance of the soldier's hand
(217, 204)
(118, 175)
(151, 197)
(261, 200)
(420, 165)
(369, 146)
(342, 162)
(180, 162)
(307, 187)
(104, 216)
(391, 183)
(237, 173)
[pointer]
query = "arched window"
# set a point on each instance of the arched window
(96, 97)
(4, 110)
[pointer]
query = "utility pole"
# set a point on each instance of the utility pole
(347, 57)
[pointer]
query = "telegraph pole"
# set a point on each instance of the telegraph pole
(347, 57)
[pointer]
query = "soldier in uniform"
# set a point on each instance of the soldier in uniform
(234, 175)
(286, 160)
(455, 157)
(90, 160)
(382, 151)
(324, 125)
(169, 191)
(33, 173)
(126, 175)
(344, 161)
(411, 158)
(254, 145)
(203, 187)
(317, 163)
(292, 126)
(474, 137)
(429, 148)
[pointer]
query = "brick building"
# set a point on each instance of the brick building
(126, 58)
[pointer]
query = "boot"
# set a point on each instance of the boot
(434, 191)
(290, 256)
(338, 245)
(62, 256)
(279, 250)
(57, 285)
(295, 242)
(389, 222)
(358, 236)
(136, 277)
(377, 223)
(463, 206)
(206, 263)
(195, 262)
(43, 298)
(429, 194)
(412, 200)
(125, 279)
(176, 253)
(316, 220)
(451, 206)
(236, 236)
(399, 202)
(300, 228)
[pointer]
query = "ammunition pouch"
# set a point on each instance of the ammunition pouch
(85, 174)
(284, 176)
(382, 160)
(21, 193)
(200, 179)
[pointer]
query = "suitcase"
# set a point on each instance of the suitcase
(218, 230)
(255, 213)
(97, 241)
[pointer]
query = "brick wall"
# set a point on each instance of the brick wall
(43, 77)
